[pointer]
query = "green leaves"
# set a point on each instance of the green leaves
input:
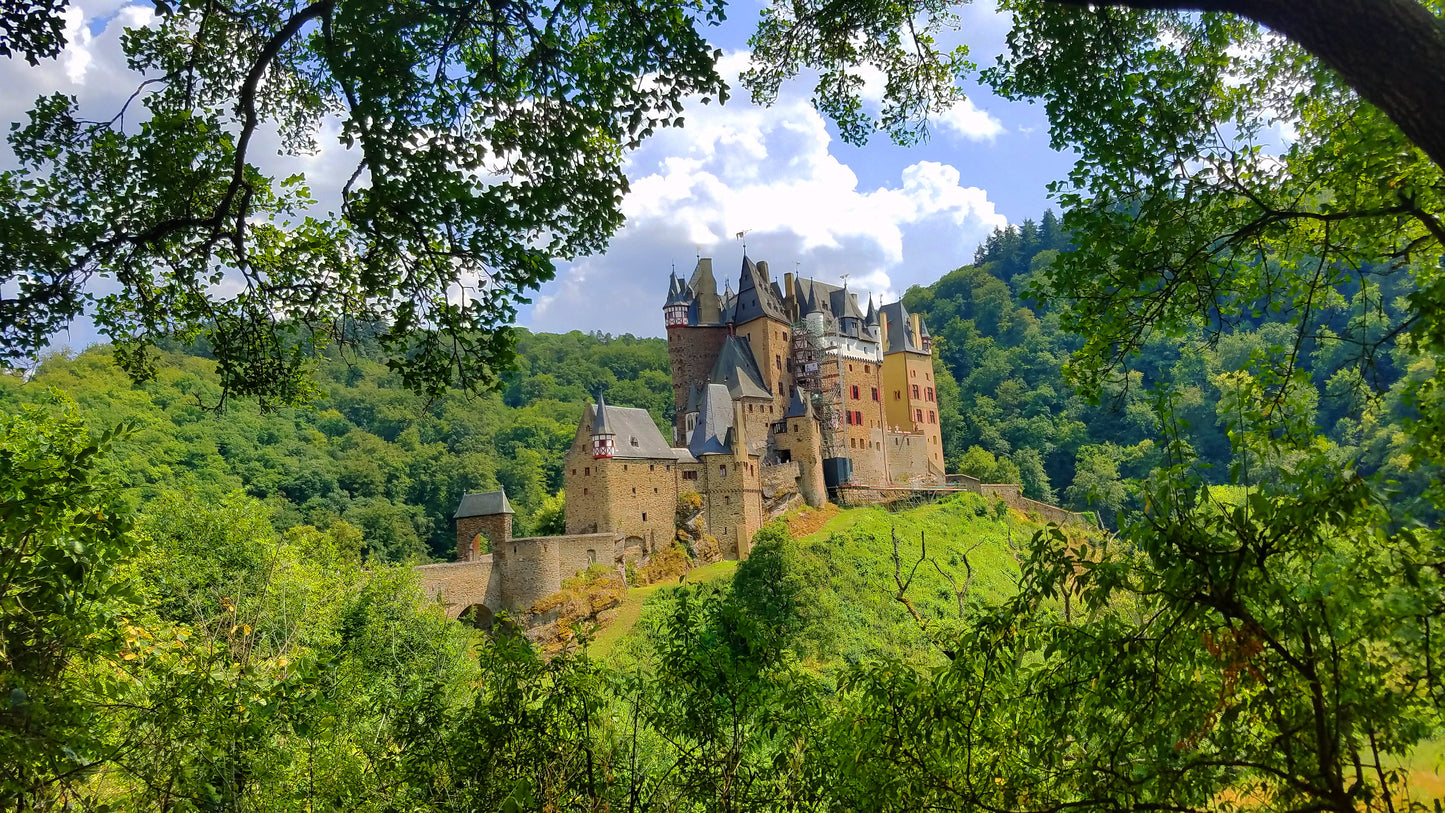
(488, 140)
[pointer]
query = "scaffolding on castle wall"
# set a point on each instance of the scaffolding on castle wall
(818, 372)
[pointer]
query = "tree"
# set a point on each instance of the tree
(488, 140)
(62, 536)
(1182, 219)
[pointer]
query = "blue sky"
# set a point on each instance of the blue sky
(886, 216)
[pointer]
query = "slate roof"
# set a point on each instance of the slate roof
(799, 407)
(485, 504)
(755, 297)
(737, 369)
(637, 435)
(713, 432)
(900, 330)
(677, 291)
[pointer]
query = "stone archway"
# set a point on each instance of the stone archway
(477, 615)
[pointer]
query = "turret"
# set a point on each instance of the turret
(676, 310)
(603, 440)
(924, 340)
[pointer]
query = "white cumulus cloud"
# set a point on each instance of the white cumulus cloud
(769, 172)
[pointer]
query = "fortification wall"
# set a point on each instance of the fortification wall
(909, 459)
(459, 585)
(530, 570)
(577, 552)
(1012, 496)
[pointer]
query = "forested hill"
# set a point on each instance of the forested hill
(1008, 412)
(369, 452)
(373, 455)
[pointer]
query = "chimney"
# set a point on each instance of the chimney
(917, 329)
(790, 299)
(763, 269)
(883, 330)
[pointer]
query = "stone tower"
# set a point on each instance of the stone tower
(802, 440)
(485, 514)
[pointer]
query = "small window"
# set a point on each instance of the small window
(574, 471)
(587, 471)
(584, 491)
(722, 471)
(727, 500)
(750, 407)
(854, 392)
(779, 361)
(624, 467)
(652, 467)
(867, 368)
(875, 393)
(644, 516)
(689, 475)
(669, 468)
(850, 368)
(931, 417)
(634, 489)
(654, 489)
(918, 415)
(912, 373)
(915, 392)
(896, 395)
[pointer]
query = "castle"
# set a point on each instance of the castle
(766, 379)
(780, 394)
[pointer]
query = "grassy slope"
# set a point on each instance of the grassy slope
(849, 561)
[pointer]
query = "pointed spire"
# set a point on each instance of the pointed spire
(599, 426)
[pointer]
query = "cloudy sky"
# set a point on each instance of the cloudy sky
(886, 216)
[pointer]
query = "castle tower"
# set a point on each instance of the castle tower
(729, 481)
(801, 439)
(910, 393)
(760, 317)
(693, 342)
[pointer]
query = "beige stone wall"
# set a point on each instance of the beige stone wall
(801, 440)
(692, 352)
(576, 553)
(908, 459)
(643, 500)
(863, 441)
(459, 585)
(772, 343)
(732, 501)
(587, 500)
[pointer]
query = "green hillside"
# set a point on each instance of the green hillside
(366, 452)
(845, 579)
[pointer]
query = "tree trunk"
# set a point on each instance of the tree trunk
(1392, 52)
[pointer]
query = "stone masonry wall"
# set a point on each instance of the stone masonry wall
(643, 500)
(459, 585)
(908, 459)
